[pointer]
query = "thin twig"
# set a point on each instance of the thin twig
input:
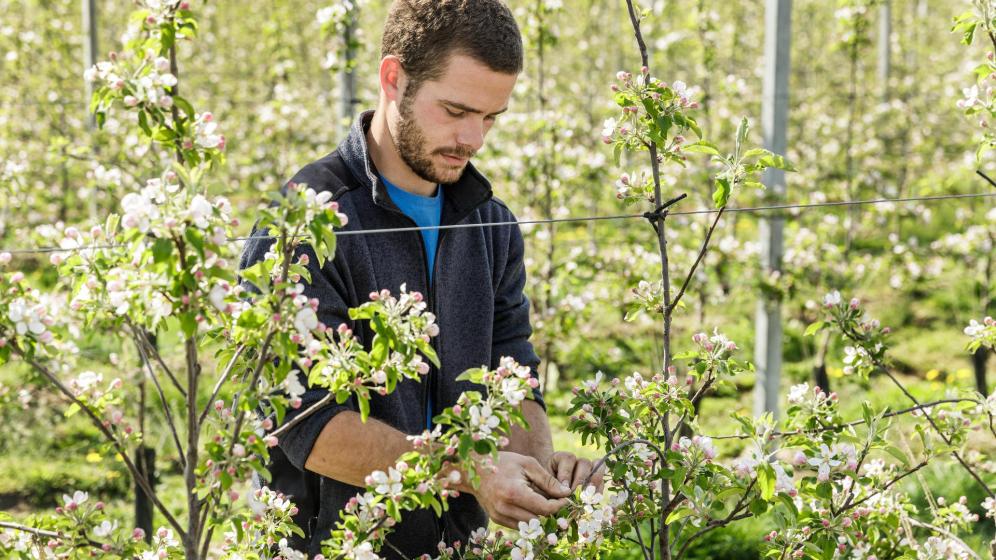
(698, 259)
(837, 427)
(44, 533)
(937, 428)
(885, 487)
(154, 352)
(170, 423)
(221, 381)
(947, 534)
(324, 401)
(139, 478)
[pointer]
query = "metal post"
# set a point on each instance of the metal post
(348, 100)
(774, 120)
(90, 51)
(884, 44)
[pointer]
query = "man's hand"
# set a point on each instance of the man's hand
(572, 471)
(519, 490)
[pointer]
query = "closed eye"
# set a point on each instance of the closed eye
(455, 114)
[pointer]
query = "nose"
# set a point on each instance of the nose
(471, 133)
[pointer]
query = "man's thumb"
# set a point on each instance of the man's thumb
(545, 481)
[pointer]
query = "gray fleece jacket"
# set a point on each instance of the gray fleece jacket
(476, 293)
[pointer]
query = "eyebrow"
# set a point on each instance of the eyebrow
(468, 109)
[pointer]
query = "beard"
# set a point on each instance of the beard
(411, 145)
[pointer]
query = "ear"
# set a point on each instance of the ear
(392, 78)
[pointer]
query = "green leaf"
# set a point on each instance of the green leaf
(678, 514)
(766, 481)
(898, 454)
(742, 131)
(722, 193)
(701, 147)
(188, 324)
(143, 123)
(161, 250)
(184, 106)
(364, 408)
(776, 161)
(814, 328)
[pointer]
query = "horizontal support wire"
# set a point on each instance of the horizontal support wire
(809, 206)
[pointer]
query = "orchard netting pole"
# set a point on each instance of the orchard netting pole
(884, 38)
(774, 120)
(90, 49)
(348, 100)
(90, 52)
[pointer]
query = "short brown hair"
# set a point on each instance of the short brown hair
(424, 33)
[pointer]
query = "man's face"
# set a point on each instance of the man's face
(439, 128)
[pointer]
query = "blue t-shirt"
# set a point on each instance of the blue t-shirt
(426, 211)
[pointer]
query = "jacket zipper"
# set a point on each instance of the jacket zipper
(429, 382)
(430, 282)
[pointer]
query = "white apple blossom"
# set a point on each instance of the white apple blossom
(292, 385)
(140, 211)
(105, 529)
(798, 393)
(483, 419)
(217, 297)
(199, 211)
(206, 132)
(608, 129)
(388, 483)
(824, 462)
(831, 299)
(77, 499)
(591, 385)
(513, 391)
(85, 381)
(27, 316)
(305, 320)
(989, 504)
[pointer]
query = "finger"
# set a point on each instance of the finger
(505, 521)
(565, 465)
(582, 470)
(536, 504)
(545, 482)
(512, 514)
(598, 478)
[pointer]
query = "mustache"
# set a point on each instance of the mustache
(456, 151)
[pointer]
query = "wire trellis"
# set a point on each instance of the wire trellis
(704, 211)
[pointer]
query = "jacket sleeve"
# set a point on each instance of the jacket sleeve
(510, 335)
(326, 286)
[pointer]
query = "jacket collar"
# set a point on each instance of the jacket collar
(459, 199)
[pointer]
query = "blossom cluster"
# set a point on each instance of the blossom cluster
(652, 113)
(465, 438)
(866, 333)
(982, 334)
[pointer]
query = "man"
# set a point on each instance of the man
(447, 71)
